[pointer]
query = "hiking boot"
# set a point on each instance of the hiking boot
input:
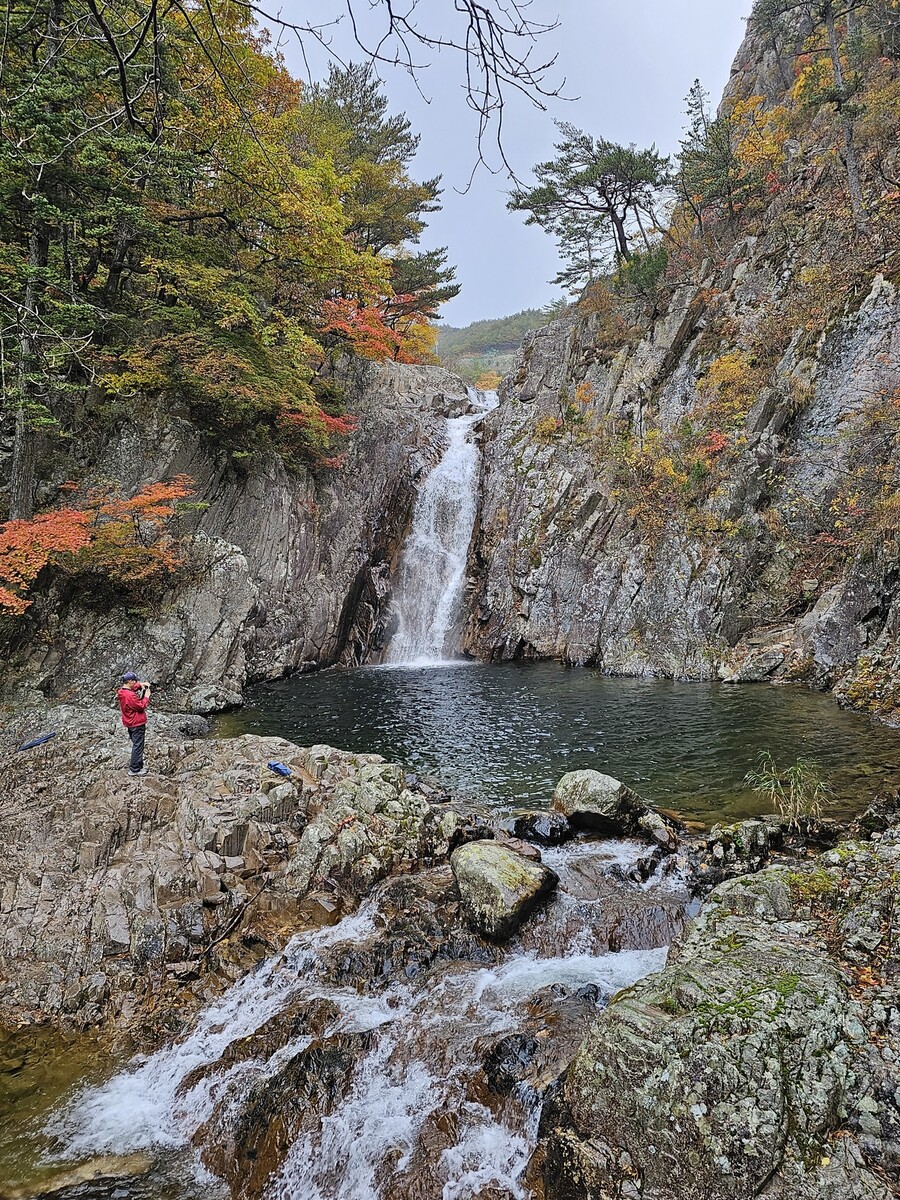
(142, 771)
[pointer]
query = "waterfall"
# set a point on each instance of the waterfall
(428, 593)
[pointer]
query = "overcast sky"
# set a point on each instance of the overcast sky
(629, 63)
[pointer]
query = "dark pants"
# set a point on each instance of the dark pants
(137, 747)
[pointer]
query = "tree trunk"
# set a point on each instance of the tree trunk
(850, 160)
(637, 213)
(31, 395)
(21, 482)
(622, 251)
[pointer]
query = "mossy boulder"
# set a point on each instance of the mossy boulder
(728, 1070)
(498, 887)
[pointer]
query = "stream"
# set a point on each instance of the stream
(380, 1088)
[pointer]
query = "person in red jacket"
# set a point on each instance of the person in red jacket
(133, 697)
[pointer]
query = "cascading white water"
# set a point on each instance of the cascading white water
(420, 1063)
(430, 582)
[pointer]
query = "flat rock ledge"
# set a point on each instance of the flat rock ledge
(122, 896)
(498, 887)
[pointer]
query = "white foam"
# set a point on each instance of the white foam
(487, 1154)
(430, 582)
(143, 1107)
(421, 1059)
(382, 1115)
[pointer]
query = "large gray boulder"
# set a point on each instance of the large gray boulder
(724, 1075)
(498, 887)
(592, 800)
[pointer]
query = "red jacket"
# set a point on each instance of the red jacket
(133, 706)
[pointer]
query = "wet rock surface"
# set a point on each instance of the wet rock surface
(97, 1179)
(498, 886)
(567, 567)
(760, 1060)
(757, 1062)
(545, 828)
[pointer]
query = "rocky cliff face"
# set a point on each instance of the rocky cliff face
(605, 539)
(565, 570)
(286, 570)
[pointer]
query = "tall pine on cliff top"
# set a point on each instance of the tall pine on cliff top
(595, 197)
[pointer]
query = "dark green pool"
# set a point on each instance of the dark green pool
(505, 734)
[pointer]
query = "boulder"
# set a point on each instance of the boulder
(498, 887)
(727, 1074)
(106, 1174)
(738, 849)
(546, 828)
(592, 800)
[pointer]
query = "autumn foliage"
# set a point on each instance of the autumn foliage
(27, 546)
(126, 542)
(210, 235)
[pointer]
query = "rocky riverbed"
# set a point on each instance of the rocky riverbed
(482, 1006)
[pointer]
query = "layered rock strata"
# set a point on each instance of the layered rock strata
(119, 891)
(592, 548)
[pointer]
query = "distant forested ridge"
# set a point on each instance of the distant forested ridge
(489, 345)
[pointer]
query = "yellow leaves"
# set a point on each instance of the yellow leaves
(489, 381)
(814, 75)
(547, 429)
(418, 339)
(664, 470)
(877, 125)
(761, 135)
(730, 386)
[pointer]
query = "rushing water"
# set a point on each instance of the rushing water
(504, 734)
(418, 1070)
(428, 592)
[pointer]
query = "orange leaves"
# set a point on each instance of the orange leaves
(867, 977)
(410, 337)
(154, 503)
(715, 442)
(130, 542)
(125, 540)
(363, 326)
(585, 394)
(27, 546)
